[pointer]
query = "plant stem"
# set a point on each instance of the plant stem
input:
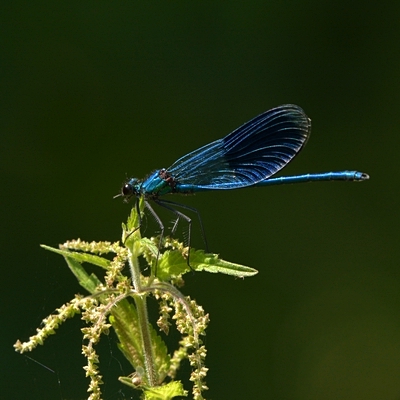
(141, 307)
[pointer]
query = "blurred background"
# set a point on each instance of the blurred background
(93, 92)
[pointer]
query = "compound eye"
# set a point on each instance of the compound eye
(127, 190)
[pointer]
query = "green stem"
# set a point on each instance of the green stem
(143, 320)
(141, 306)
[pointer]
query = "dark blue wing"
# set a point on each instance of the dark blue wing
(251, 153)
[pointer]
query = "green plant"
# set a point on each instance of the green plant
(120, 302)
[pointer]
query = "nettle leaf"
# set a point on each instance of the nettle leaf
(74, 260)
(212, 263)
(81, 257)
(165, 392)
(172, 263)
(124, 320)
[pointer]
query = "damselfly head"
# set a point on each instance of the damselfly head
(129, 189)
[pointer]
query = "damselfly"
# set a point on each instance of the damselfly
(248, 157)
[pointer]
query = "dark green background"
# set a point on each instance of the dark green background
(94, 91)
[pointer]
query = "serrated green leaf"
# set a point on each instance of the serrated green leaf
(172, 263)
(161, 357)
(131, 230)
(124, 320)
(88, 282)
(81, 257)
(133, 218)
(212, 263)
(165, 392)
(150, 247)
